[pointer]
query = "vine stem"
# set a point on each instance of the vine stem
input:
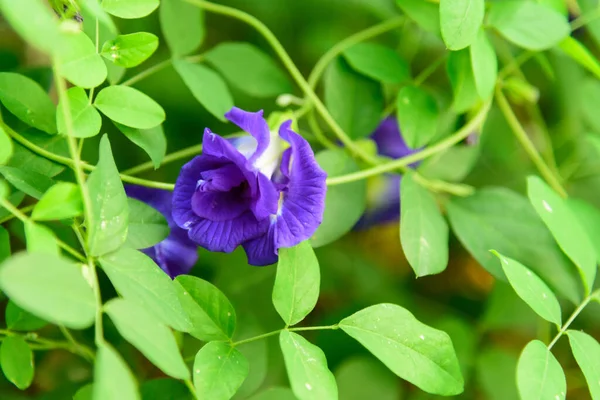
(299, 329)
(292, 69)
(403, 162)
(529, 147)
(37, 343)
(25, 219)
(144, 74)
(23, 210)
(577, 311)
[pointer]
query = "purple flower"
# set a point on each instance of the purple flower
(250, 191)
(383, 202)
(177, 254)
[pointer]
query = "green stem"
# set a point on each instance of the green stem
(299, 329)
(577, 311)
(529, 147)
(290, 66)
(23, 210)
(37, 343)
(91, 94)
(426, 73)
(403, 162)
(585, 19)
(76, 345)
(314, 328)
(159, 67)
(25, 219)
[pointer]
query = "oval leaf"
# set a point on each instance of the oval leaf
(16, 359)
(40, 239)
(212, 315)
(460, 73)
(147, 226)
(206, 86)
(152, 141)
(565, 228)
(32, 183)
(589, 218)
(531, 289)
(18, 319)
(26, 99)
(61, 201)
(527, 24)
(423, 229)
(378, 62)
(34, 21)
(578, 52)
(417, 114)
(460, 21)
(344, 204)
(297, 283)
(130, 9)
(219, 371)
(130, 50)
(412, 350)
(586, 351)
(112, 377)
(6, 147)
(484, 64)
(129, 107)
(78, 62)
(36, 282)
(306, 367)
(257, 76)
(148, 335)
(182, 25)
(137, 278)
(108, 229)
(85, 119)
(539, 375)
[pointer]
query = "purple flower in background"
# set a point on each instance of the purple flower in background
(250, 191)
(177, 254)
(383, 202)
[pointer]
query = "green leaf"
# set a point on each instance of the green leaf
(461, 77)
(492, 364)
(4, 237)
(25, 159)
(147, 226)
(115, 73)
(16, 359)
(361, 377)
(18, 319)
(137, 278)
(212, 315)
(344, 204)
(580, 54)
(130, 9)
(484, 64)
(4, 191)
(95, 10)
(497, 218)
(33, 21)
(219, 371)
(565, 228)
(61, 201)
(425, 13)
(412, 350)
(354, 101)
(182, 25)
(6, 147)
(108, 229)
(164, 388)
(27, 100)
(528, 24)
(423, 230)
(460, 21)
(32, 183)
(257, 76)
(36, 282)
(306, 367)
(85, 392)
(586, 351)
(40, 239)
(206, 86)
(148, 335)
(78, 62)
(539, 375)
(130, 50)
(130, 107)
(531, 289)
(378, 62)
(275, 393)
(418, 115)
(452, 165)
(297, 283)
(589, 218)
(590, 93)
(112, 377)
(15, 199)
(152, 141)
(85, 119)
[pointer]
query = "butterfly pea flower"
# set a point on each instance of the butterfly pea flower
(262, 192)
(383, 195)
(176, 254)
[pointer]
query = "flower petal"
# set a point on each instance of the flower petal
(304, 201)
(175, 257)
(254, 124)
(261, 251)
(389, 140)
(220, 206)
(225, 236)
(156, 198)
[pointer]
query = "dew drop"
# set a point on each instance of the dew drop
(547, 206)
(422, 337)
(308, 386)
